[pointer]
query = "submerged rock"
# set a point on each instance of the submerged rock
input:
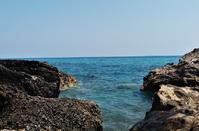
(176, 94)
(28, 91)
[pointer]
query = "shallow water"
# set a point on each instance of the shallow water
(113, 82)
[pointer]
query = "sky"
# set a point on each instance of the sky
(80, 28)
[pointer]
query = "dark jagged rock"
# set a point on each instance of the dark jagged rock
(35, 77)
(42, 70)
(176, 94)
(36, 113)
(30, 84)
(191, 57)
(27, 100)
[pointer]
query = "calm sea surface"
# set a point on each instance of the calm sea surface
(113, 82)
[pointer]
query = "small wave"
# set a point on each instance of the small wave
(91, 76)
(79, 84)
(111, 66)
(127, 85)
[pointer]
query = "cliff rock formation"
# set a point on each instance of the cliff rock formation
(176, 94)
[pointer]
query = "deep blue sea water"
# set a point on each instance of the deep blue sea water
(113, 83)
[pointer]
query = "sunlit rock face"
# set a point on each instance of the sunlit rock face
(176, 94)
(185, 73)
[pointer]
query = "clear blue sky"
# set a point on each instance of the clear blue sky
(65, 28)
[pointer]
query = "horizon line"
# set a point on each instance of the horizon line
(60, 57)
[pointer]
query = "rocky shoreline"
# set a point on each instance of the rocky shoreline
(28, 99)
(176, 93)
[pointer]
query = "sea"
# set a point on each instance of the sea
(113, 83)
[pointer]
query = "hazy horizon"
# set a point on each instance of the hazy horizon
(75, 28)
(60, 57)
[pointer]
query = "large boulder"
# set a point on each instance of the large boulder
(176, 93)
(29, 84)
(39, 113)
(28, 100)
(36, 78)
(174, 108)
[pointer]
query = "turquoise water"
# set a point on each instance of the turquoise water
(113, 82)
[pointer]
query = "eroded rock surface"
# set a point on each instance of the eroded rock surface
(185, 73)
(23, 111)
(28, 91)
(174, 108)
(66, 81)
(176, 94)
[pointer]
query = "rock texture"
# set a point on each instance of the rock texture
(41, 72)
(28, 91)
(36, 112)
(176, 94)
(185, 73)
(66, 81)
